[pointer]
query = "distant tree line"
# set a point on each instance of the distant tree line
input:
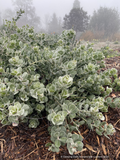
(105, 20)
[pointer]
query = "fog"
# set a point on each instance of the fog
(62, 7)
(46, 8)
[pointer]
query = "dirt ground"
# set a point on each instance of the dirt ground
(98, 45)
(23, 143)
(112, 45)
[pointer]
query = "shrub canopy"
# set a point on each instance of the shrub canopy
(39, 72)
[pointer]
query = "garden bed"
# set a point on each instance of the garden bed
(18, 143)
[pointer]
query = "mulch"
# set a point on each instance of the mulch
(23, 143)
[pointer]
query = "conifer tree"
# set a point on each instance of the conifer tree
(77, 19)
(55, 25)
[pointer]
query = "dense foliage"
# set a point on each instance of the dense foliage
(57, 75)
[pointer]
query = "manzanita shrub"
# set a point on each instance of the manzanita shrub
(57, 75)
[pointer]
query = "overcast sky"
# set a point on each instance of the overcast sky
(62, 7)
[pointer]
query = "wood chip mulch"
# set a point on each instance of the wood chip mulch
(23, 143)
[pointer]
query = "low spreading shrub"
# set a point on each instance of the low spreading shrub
(53, 74)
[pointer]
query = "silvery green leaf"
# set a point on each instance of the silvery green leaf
(31, 68)
(42, 99)
(76, 137)
(100, 116)
(97, 123)
(94, 109)
(40, 92)
(104, 109)
(23, 120)
(5, 122)
(6, 101)
(16, 61)
(60, 42)
(65, 81)
(13, 88)
(62, 132)
(1, 70)
(40, 107)
(65, 93)
(38, 85)
(98, 132)
(33, 123)
(20, 44)
(70, 107)
(79, 145)
(106, 135)
(64, 113)
(35, 77)
(24, 76)
(108, 90)
(53, 148)
(33, 93)
(25, 109)
(22, 88)
(70, 140)
(110, 129)
(63, 139)
(17, 71)
(113, 71)
(51, 89)
(24, 96)
(58, 119)
(13, 119)
(25, 83)
(57, 143)
(71, 148)
(105, 126)
(48, 144)
(72, 64)
(1, 116)
(36, 49)
(117, 102)
(90, 67)
(14, 109)
(2, 87)
(72, 115)
(50, 116)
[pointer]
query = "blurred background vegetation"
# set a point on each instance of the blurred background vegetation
(103, 24)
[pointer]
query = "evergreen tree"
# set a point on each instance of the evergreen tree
(46, 22)
(106, 20)
(55, 25)
(76, 4)
(77, 18)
